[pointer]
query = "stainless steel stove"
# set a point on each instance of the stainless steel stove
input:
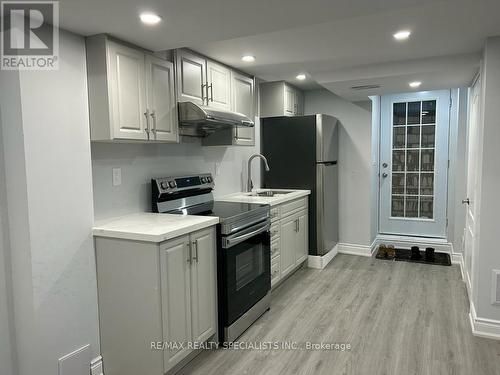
(243, 247)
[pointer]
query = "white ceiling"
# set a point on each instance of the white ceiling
(338, 43)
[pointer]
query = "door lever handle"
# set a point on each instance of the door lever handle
(466, 201)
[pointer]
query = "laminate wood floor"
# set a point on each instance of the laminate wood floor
(399, 318)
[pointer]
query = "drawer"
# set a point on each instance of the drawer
(275, 214)
(275, 248)
(275, 230)
(293, 206)
(275, 270)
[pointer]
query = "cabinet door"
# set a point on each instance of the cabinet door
(203, 294)
(289, 228)
(176, 298)
(161, 99)
(242, 88)
(219, 86)
(191, 78)
(128, 92)
(302, 238)
(290, 102)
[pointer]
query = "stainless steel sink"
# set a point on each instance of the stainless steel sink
(269, 193)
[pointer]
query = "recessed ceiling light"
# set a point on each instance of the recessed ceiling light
(150, 18)
(248, 58)
(301, 77)
(402, 35)
(415, 84)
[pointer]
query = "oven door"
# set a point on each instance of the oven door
(246, 270)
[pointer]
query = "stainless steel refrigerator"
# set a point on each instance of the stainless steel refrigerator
(303, 154)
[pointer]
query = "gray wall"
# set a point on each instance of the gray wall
(487, 255)
(50, 215)
(355, 171)
(141, 162)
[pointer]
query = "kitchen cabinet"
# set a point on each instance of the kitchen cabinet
(289, 238)
(219, 86)
(191, 77)
(131, 93)
(155, 293)
(243, 97)
(280, 99)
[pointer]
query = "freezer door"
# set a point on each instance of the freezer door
(327, 143)
(327, 217)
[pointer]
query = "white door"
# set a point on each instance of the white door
(472, 178)
(242, 89)
(288, 244)
(191, 78)
(219, 86)
(175, 264)
(414, 163)
(203, 294)
(161, 99)
(128, 92)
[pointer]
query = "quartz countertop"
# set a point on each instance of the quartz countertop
(272, 201)
(151, 227)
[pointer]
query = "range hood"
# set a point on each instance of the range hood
(201, 121)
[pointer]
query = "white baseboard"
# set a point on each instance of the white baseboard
(320, 262)
(481, 327)
(96, 367)
(355, 249)
(406, 242)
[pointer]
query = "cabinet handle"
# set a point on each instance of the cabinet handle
(211, 92)
(153, 116)
(298, 225)
(203, 93)
(147, 121)
(195, 244)
(190, 253)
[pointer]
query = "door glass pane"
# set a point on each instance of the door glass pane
(413, 113)
(399, 114)
(429, 112)
(249, 266)
(413, 133)
(399, 137)
(398, 183)
(413, 157)
(411, 206)
(398, 206)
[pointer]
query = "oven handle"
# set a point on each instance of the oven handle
(231, 241)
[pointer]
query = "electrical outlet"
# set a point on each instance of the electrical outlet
(117, 176)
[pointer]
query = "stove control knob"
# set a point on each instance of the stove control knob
(203, 180)
(172, 184)
(209, 179)
(164, 185)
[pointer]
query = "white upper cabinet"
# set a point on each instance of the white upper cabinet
(280, 99)
(243, 102)
(219, 86)
(127, 92)
(131, 93)
(191, 77)
(161, 99)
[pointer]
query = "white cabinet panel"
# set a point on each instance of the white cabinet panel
(302, 238)
(219, 86)
(191, 78)
(243, 102)
(203, 291)
(161, 99)
(176, 297)
(128, 92)
(289, 101)
(288, 244)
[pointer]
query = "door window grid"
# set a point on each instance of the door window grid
(428, 127)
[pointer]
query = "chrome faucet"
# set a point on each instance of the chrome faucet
(249, 180)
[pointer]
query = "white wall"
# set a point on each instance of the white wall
(49, 194)
(141, 162)
(355, 171)
(487, 254)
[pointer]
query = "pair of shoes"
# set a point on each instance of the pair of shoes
(391, 251)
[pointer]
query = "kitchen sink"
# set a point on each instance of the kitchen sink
(269, 193)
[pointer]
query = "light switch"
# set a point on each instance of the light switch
(117, 176)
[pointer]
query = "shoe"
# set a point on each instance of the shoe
(429, 254)
(391, 252)
(382, 251)
(415, 253)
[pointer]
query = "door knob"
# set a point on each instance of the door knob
(466, 201)
(384, 175)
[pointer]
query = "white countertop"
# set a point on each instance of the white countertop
(272, 201)
(151, 227)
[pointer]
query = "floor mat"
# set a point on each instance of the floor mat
(441, 259)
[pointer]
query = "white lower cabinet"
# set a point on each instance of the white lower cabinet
(289, 238)
(155, 299)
